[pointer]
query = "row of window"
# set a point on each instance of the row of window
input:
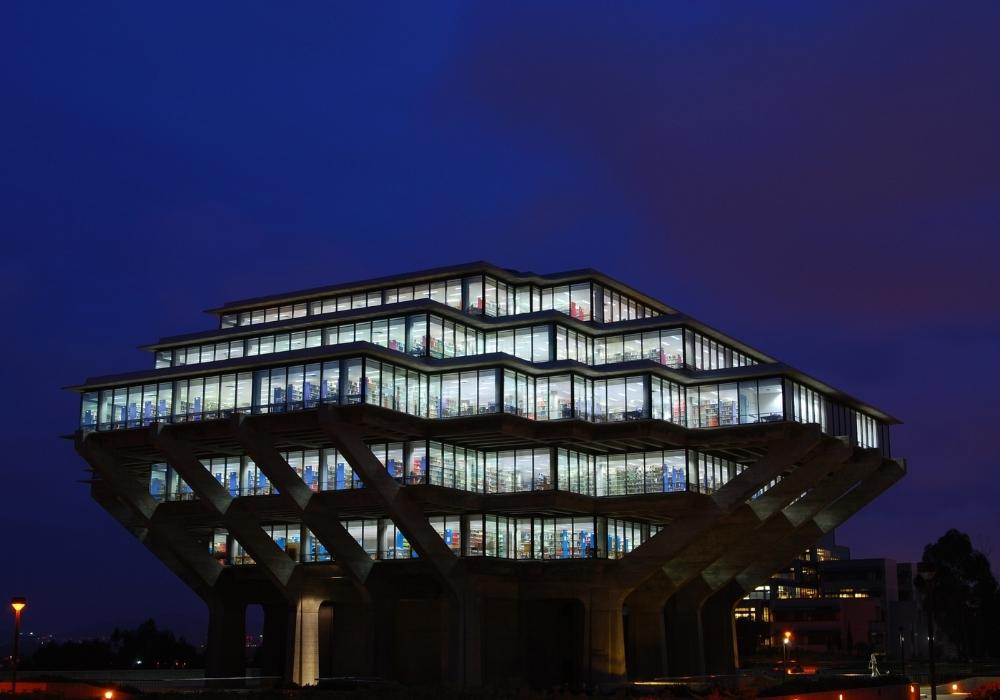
(476, 294)
(502, 471)
(452, 394)
(659, 471)
(427, 335)
(485, 535)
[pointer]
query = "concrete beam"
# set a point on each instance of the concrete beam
(840, 482)
(170, 543)
(689, 530)
(775, 533)
(321, 519)
(406, 513)
(881, 478)
(236, 518)
(682, 582)
(716, 591)
(738, 530)
(887, 474)
(781, 454)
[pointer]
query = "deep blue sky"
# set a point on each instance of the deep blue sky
(821, 180)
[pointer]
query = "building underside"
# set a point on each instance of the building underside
(664, 608)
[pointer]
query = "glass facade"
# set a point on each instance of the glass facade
(429, 335)
(474, 392)
(735, 403)
(486, 535)
(553, 538)
(702, 353)
(480, 471)
(481, 294)
(663, 346)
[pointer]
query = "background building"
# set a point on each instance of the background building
(476, 475)
(834, 604)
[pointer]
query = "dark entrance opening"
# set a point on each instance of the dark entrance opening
(344, 640)
(553, 642)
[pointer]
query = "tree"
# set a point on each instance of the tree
(151, 647)
(145, 646)
(966, 595)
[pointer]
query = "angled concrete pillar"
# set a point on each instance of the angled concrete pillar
(303, 641)
(322, 521)
(773, 536)
(130, 500)
(392, 496)
(870, 475)
(225, 649)
(737, 531)
(236, 518)
(687, 532)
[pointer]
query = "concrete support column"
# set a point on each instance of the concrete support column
(685, 655)
(464, 658)
(606, 637)
(719, 629)
(272, 653)
(304, 641)
(646, 641)
(384, 629)
(225, 653)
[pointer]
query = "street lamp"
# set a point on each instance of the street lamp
(18, 604)
(927, 571)
(784, 648)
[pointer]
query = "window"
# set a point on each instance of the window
(335, 472)
(449, 528)
(365, 533)
(416, 331)
(580, 301)
(770, 400)
(475, 303)
(394, 543)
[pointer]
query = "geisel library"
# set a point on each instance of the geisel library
(475, 476)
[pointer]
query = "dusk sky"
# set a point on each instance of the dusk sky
(819, 180)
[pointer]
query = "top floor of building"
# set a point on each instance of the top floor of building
(475, 289)
(463, 311)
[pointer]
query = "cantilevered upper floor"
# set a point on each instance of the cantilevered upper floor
(469, 340)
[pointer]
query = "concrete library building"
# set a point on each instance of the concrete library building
(475, 476)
